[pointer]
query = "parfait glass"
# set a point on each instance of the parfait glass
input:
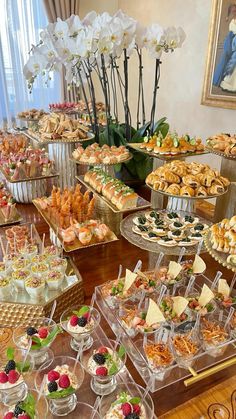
(215, 334)
(80, 335)
(11, 393)
(62, 400)
(104, 371)
(31, 398)
(40, 352)
(109, 403)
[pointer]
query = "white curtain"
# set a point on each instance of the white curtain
(21, 22)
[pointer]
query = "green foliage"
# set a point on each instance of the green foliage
(141, 164)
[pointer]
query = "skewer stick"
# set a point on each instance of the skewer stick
(26, 354)
(158, 262)
(162, 293)
(53, 310)
(230, 315)
(190, 285)
(216, 280)
(96, 406)
(78, 356)
(138, 266)
(2, 246)
(41, 387)
(182, 252)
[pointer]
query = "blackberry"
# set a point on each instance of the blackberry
(82, 321)
(18, 410)
(31, 331)
(99, 359)
(52, 386)
(11, 365)
(132, 416)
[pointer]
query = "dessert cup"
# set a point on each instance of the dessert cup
(40, 350)
(18, 279)
(35, 286)
(128, 391)
(81, 335)
(158, 353)
(214, 335)
(62, 400)
(31, 398)
(58, 264)
(4, 270)
(40, 269)
(209, 309)
(104, 372)
(20, 264)
(11, 393)
(29, 251)
(5, 287)
(185, 344)
(54, 280)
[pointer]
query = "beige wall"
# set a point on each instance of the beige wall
(182, 72)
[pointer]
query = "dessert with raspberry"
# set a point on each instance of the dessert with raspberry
(25, 409)
(60, 382)
(11, 372)
(104, 362)
(81, 321)
(41, 337)
(126, 407)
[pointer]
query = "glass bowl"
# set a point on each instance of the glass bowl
(12, 392)
(39, 350)
(59, 391)
(81, 335)
(158, 353)
(109, 363)
(132, 391)
(41, 406)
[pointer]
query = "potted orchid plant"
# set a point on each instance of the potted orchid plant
(100, 47)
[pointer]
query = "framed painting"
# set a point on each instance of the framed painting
(219, 87)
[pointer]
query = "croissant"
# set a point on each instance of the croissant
(190, 180)
(179, 169)
(224, 180)
(215, 190)
(206, 180)
(151, 178)
(187, 191)
(232, 221)
(201, 191)
(160, 185)
(173, 189)
(170, 177)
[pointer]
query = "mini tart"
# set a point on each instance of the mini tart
(172, 216)
(139, 229)
(197, 236)
(159, 223)
(199, 228)
(176, 225)
(152, 216)
(176, 235)
(186, 241)
(167, 242)
(160, 231)
(151, 236)
(189, 220)
(142, 220)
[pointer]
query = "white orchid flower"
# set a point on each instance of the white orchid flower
(89, 18)
(35, 65)
(75, 25)
(61, 29)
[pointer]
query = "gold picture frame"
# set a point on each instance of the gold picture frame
(218, 82)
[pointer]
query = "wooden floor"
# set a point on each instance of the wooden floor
(99, 264)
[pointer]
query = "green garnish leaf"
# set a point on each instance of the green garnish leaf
(135, 400)
(61, 393)
(10, 353)
(41, 343)
(122, 398)
(29, 405)
(113, 369)
(22, 367)
(82, 311)
(121, 351)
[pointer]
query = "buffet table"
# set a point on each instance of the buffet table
(99, 264)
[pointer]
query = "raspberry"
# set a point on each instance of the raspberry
(13, 376)
(8, 415)
(74, 320)
(126, 409)
(64, 381)
(43, 332)
(102, 350)
(101, 371)
(136, 409)
(53, 375)
(87, 315)
(3, 378)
